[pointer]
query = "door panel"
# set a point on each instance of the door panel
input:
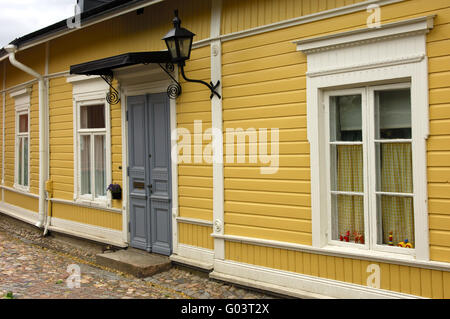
(160, 173)
(137, 159)
(149, 173)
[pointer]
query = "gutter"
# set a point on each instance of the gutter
(11, 50)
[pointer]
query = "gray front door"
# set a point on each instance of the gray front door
(149, 173)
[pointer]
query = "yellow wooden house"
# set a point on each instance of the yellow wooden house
(314, 163)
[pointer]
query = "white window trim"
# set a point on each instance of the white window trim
(90, 90)
(409, 63)
(22, 100)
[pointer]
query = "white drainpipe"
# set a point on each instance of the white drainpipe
(12, 49)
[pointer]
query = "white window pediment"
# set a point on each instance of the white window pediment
(391, 44)
(22, 99)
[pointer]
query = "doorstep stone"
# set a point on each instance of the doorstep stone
(136, 262)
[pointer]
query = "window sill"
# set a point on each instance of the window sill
(370, 254)
(22, 189)
(100, 205)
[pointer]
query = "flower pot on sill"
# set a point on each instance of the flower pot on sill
(117, 195)
(116, 191)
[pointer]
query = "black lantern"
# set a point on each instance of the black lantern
(179, 41)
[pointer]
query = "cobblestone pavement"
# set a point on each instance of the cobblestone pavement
(29, 270)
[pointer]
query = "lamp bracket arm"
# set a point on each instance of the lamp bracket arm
(211, 86)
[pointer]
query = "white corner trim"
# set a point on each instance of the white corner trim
(297, 285)
(91, 232)
(217, 127)
(420, 25)
(194, 256)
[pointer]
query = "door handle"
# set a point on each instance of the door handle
(150, 187)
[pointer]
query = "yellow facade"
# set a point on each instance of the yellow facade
(263, 86)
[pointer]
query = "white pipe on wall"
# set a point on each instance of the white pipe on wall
(12, 49)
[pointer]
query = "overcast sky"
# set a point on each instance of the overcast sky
(20, 17)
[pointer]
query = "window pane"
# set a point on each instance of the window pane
(100, 165)
(393, 114)
(394, 168)
(20, 166)
(345, 118)
(23, 123)
(397, 219)
(348, 218)
(85, 159)
(25, 161)
(347, 168)
(92, 116)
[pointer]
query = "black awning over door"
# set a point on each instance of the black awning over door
(106, 65)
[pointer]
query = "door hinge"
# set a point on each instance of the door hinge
(128, 171)
(127, 115)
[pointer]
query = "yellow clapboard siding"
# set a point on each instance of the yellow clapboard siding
(268, 185)
(142, 32)
(195, 235)
(195, 181)
(195, 192)
(268, 222)
(296, 212)
(439, 206)
(439, 222)
(196, 213)
(274, 73)
(285, 97)
(265, 112)
(204, 203)
(440, 238)
(282, 173)
(406, 279)
(268, 233)
(243, 15)
(438, 190)
(438, 143)
(268, 197)
(90, 216)
(24, 201)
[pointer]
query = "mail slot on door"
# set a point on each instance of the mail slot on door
(139, 185)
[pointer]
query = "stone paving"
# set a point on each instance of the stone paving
(29, 270)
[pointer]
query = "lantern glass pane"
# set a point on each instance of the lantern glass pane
(172, 48)
(185, 46)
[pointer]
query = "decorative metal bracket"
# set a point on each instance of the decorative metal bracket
(113, 96)
(212, 87)
(174, 89)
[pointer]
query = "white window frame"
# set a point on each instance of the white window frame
(354, 59)
(90, 91)
(91, 133)
(371, 218)
(22, 99)
(19, 135)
